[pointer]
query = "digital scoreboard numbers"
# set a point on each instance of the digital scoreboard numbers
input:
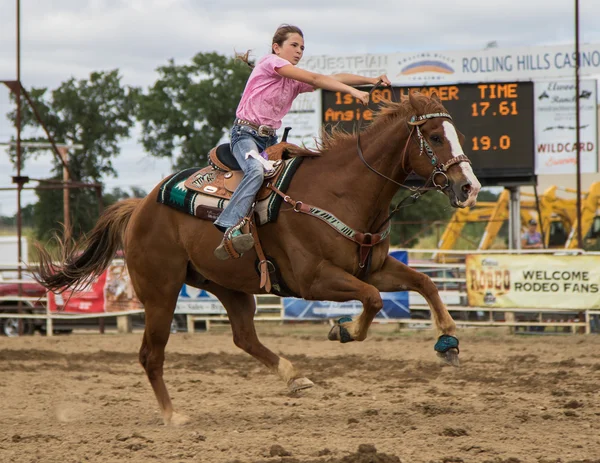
(495, 118)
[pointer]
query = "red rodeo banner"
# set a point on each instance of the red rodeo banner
(533, 281)
(110, 292)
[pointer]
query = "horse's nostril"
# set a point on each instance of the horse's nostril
(466, 188)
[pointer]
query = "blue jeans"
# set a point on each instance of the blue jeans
(243, 140)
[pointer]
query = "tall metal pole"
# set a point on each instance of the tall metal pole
(19, 183)
(577, 125)
(18, 95)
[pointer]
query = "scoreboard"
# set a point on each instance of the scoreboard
(495, 118)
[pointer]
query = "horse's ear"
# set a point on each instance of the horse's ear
(416, 102)
(435, 97)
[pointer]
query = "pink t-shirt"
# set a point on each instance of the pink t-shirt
(268, 96)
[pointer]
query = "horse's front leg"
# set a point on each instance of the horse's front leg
(396, 276)
(331, 283)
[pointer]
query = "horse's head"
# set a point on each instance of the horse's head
(438, 155)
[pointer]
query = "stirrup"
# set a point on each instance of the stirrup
(233, 246)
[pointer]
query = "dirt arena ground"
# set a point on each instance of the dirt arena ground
(84, 398)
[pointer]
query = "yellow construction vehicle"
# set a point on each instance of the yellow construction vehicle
(590, 220)
(493, 213)
(480, 213)
(557, 217)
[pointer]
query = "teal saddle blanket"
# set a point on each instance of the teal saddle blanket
(175, 194)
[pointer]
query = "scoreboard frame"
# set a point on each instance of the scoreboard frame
(496, 118)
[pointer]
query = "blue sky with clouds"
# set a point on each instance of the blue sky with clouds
(66, 38)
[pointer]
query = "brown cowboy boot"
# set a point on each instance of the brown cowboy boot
(234, 244)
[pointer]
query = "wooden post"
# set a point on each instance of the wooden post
(49, 321)
(98, 190)
(124, 324)
(588, 327)
(510, 317)
(190, 323)
(64, 153)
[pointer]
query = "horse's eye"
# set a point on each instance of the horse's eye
(436, 139)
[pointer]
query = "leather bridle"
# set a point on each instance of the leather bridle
(424, 147)
(439, 168)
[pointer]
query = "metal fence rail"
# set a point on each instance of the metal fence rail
(452, 290)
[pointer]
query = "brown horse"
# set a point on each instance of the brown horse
(165, 248)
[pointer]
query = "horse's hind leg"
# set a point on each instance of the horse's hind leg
(240, 310)
(159, 303)
(152, 357)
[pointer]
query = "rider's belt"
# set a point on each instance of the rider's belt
(262, 130)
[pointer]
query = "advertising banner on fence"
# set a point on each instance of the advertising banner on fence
(89, 300)
(113, 292)
(110, 292)
(395, 305)
(533, 281)
(198, 302)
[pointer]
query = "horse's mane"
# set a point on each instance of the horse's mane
(388, 112)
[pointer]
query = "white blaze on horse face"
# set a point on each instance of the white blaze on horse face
(467, 171)
(452, 137)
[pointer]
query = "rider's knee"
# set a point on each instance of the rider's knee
(256, 172)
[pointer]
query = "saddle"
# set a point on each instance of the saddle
(220, 179)
(223, 174)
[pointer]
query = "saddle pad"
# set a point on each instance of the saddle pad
(214, 182)
(173, 193)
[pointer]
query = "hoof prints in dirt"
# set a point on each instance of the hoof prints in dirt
(366, 453)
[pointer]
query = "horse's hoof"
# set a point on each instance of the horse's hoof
(450, 357)
(339, 333)
(298, 384)
(177, 419)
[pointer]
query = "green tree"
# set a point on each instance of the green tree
(415, 220)
(190, 107)
(118, 193)
(97, 113)
(429, 216)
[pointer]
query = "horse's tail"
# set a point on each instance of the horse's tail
(84, 261)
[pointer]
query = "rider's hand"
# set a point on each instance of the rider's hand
(363, 97)
(383, 79)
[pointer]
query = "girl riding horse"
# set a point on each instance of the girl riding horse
(272, 87)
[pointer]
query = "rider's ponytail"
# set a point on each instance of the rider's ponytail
(245, 58)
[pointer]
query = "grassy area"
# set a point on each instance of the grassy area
(8, 231)
(469, 240)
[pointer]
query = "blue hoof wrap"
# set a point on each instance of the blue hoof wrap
(446, 342)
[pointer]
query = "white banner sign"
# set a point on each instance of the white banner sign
(197, 301)
(555, 127)
(305, 120)
(533, 281)
(494, 64)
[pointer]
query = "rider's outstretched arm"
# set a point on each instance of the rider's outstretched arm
(321, 81)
